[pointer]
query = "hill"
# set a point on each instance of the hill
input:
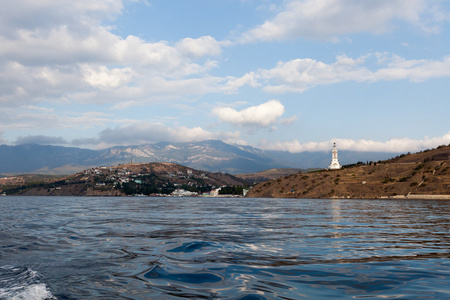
(211, 155)
(413, 175)
(267, 175)
(26, 179)
(128, 179)
(441, 153)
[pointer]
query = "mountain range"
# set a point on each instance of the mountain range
(210, 155)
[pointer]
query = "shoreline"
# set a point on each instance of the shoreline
(397, 197)
(421, 197)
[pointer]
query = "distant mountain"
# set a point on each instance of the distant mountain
(32, 158)
(211, 155)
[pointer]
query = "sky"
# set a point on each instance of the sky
(290, 75)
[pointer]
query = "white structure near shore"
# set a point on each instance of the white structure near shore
(334, 165)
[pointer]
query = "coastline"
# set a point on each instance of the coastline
(396, 197)
(418, 196)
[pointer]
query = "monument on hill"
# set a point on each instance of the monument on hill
(334, 165)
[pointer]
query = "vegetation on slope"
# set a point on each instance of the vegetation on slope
(268, 174)
(426, 173)
(151, 178)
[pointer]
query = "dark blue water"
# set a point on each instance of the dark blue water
(213, 248)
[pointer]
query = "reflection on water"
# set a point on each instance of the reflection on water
(141, 248)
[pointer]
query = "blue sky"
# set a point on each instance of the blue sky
(277, 75)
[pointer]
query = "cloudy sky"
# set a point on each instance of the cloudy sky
(291, 75)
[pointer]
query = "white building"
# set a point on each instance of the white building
(334, 165)
(183, 193)
(215, 192)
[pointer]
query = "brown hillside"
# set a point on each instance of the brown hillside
(414, 174)
(441, 153)
(268, 174)
(26, 179)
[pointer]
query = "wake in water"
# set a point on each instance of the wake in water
(17, 283)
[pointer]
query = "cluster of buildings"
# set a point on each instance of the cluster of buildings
(117, 176)
(124, 175)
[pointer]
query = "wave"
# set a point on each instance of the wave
(17, 283)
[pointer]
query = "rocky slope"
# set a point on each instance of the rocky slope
(413, 175)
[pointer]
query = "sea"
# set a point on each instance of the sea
(223, 248)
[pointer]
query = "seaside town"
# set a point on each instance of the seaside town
(152, 179)
(183, 182)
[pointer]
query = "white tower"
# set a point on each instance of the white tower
(334, 165)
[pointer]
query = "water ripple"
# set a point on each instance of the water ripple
(151, 248)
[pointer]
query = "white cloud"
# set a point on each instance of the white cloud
(105, 78)
(125, 105)
(203, 46)
(325, 19)
(260, 115)
(415, 70)
(75, 68)
(288, 121)
(60, 50)
(163, 59)
(145, 132)
(21, 84)
(397, 145)
(45, 15)
(301, 74)
(233, 83)
(61, 44)
(40, 139)
(131, 132)
(35, 118)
